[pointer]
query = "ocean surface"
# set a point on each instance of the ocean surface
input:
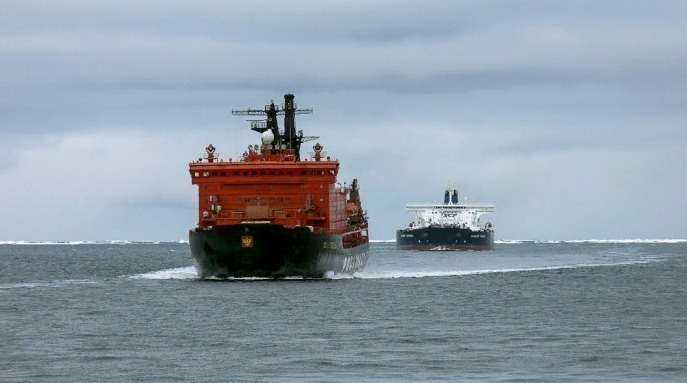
(599, 311)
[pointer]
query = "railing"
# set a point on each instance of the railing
(416, 208)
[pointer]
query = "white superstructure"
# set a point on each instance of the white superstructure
(449, 214)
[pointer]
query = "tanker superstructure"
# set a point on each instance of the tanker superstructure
(271, 213)
(447, 226)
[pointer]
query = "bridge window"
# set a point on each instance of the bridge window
(264, 200)
(271, 172)
(245, 173)
(271, 200)
(224, 174)
(262, 173)
(239, 200)
(281, 172)
(288, 200)
(247, 200)
(303, 172)
(290, 172)
(254, 172)
(280, 200)
(236, 173)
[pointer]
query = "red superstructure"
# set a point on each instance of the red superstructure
(270, 186)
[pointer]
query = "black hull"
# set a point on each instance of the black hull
(444, 238)
(272, 251)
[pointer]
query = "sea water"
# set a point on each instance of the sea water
(116, 311)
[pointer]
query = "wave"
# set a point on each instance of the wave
(382, 240)
(25, 285)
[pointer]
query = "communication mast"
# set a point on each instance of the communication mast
(289, 138)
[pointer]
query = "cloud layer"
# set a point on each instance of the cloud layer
(569, 115)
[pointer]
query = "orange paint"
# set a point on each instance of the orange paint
(271, 186)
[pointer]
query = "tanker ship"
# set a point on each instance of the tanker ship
(272, 213)
(447, 226)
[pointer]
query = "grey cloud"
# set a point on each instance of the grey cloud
(563, 113)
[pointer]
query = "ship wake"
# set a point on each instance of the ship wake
(382, 274)
(190, 272)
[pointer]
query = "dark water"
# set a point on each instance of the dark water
(523, 313)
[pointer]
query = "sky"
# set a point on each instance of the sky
(570, 116)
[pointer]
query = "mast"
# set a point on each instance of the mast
(290, 139)
(293, 139)
(289, 120)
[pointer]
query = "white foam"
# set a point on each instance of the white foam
(333, 275)
(190, 273)
(382, 240)
(178, 273)
(33, 243)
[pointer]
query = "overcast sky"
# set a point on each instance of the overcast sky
(570, 115)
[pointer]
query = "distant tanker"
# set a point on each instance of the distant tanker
(447, 226)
